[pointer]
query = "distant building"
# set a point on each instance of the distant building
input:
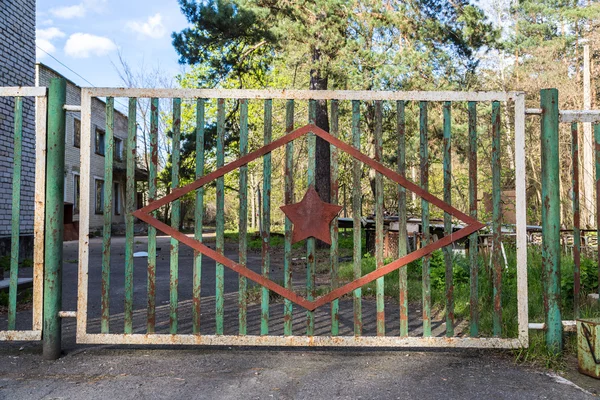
(17, 68)
(72, 160)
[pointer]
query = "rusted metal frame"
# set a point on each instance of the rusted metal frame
(284, 94)
(266, 215)
(424, 156)
(54, 220)
(22, 91)
(521, 224)
(597, 157)
(334, 253)
(175, 219)
(302, 341)
(496, 221)
(129, 209)
(472, 224)
(29, 336)
(243, 230)
(198, 217)
(15, 213)
(473, 239)
(356, 218)
(448, 218)
(379, 195)
(289, 199)
(220, 221)
(402, 233)
(152, 189)
(572, 116)
(551, 218)
(84, 214)
(41, 111)
(311, 262)
(576, 218)
(107, 209)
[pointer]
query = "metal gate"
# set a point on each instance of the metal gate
(306, 299)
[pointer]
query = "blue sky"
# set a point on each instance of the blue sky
(87, 35)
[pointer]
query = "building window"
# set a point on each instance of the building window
(117, 198)
(99, 195)
(100, 142)
(76, 132)
(118, 149)
(76, 193)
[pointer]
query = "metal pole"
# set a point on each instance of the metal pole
(551, 218)
(55, 189)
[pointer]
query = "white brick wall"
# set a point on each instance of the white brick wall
(17, 59)
(72, 153)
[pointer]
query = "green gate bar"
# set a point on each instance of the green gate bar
(551, 218)
(402, 239)
(175, 218)
(289, 199)
(198, 217)
(152, 183)
(54, 218)
(334, 229)
(448, 218)
(311, 262)
(597, 156)
(266, 223)
(129, 209)
(576, 218)
(473, 238)
(243, 231)
(220, 222)
(379, 284)
(356, 214)
(424, 155)
(108, 195)
(496, 221)
(15, 214)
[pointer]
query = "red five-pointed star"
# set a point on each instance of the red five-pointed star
(311, 217)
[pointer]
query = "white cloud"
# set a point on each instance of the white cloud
(69, 12)
(44, 39)
(79, 10)
(84, 45)
(153, 27)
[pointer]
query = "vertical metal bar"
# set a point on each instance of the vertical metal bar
(41, 113)
(55, 197)
(152, 188)
(576, 218)
(15, 213)
(129, 209)
(198, 216)
(379, 284)
(356, 218)
(175, 218)
(289, 199)
(551, 218)
(424, 155)
(448, 219)
(597, 156)
(496, 221)
(243, 237)
(334, 229)
(108, 178)
(402, 239)
(311, 262)
(266, 223)
(473, 238)
(521, 225)
(220, 222)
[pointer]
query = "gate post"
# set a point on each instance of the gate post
(551, 218)
(53, 241)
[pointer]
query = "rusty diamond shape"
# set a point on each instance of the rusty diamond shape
(472, 225)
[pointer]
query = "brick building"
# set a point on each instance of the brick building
(17, 68)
